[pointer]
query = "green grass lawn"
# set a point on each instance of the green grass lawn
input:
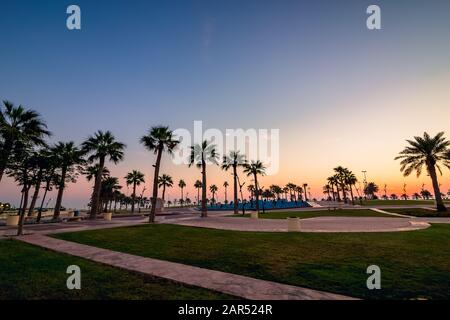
(321, 213)
(29, 272)
(414, 264)
(419, 212)
(380, 202)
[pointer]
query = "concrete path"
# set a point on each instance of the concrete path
(390, 213)
(236, 285)
(318, 224)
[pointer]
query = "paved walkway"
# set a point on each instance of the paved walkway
(391, 213)
(317, 224)
(236, 285)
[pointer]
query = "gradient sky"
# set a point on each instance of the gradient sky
(339, 93)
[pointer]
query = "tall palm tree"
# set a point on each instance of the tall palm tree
(181, 185)
(340, 177)
(49, 177)
(371, 189)
(201, 155)
(101, 146)
(305, 191)
(134, 178)
(198, 186)
(18, 124)
(276, 190)
(225, 186)
(41, 162)
(332, 182)
(108, 188)
(158, 140)
(22, 169)
(67, 157)
(350, 180)
(327, 190)
(428, 152)
(291, 187)
(213, 188)
(285, 191)
(254, 169)
(251, 189)
(233, 161)
(165, 181)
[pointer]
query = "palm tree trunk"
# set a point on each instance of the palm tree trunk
(38, 219)
(164, 193)
(338, 195)
(204, 210)
(60, 194)
(22, 210)
(198, 197)
(155, 185)
(4, 156)
(344, 194)
(133, 198)
(235, 191)
(351, 193)
(35, 194)
(182, 196)
(97, 187)
(437, 192)
(256, 193)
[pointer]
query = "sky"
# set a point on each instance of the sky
(339, 93)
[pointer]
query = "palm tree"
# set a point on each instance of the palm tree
(158, 140)
(198, 186)
(326, 190)
(181, 184)
(134, 178)
(41, 162)
(49, 176)
(67, 156)
(165, 181)
(350, 180)
(304, 190)
(251, 189)
(18, 124)
(225, 186)
(22, 169)
(371, 189)
(254, 169)
(213, 188)
(341, 173)
(291, 187)
(332, 182)
(201, 155)
(285, 191)
(276, 190)
(234, 160)
(428, 152)
(108, 188)
(100, 146)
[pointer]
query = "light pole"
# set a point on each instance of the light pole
(365, 183)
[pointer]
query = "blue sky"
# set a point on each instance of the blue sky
(300, 66)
